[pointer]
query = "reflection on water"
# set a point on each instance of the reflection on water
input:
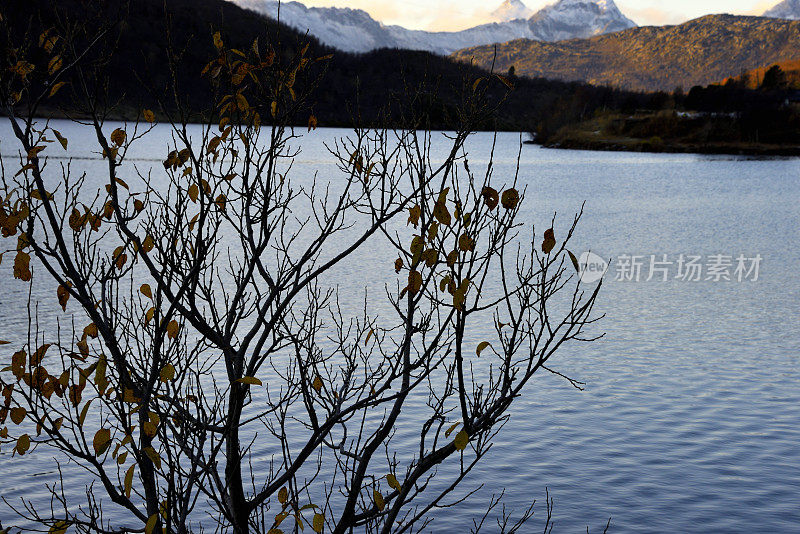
(690, 418)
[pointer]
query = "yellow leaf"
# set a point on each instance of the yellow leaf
(431, 257)
(172, 329)
(91, 330)
(312, 123)
(18, 360)
(56, 88)
(54, 65)
(194, 192)
(61, 139)
(111, 153)
(118, 136)
(23, 444)
(549, 242)
(129, 481)
(218, 41)
(101, 442)
(59, 527)
(153, 455)
(317, 385)
(146, 291)
(167, 373)
(241, 102)
(460, 295)
(393, 482)
(149, 315)
(505, 81)
(120, 260)
(510, 199)
(433, 231)
(49, 42)
(319, 523)
(280, 517)
(379, 502)
(490, 197)
(482, 346)
(22, 267)
(38, 356)
(63, 296)
(441, 212)
(151, 524)
(450, 430)
(283, 495)
(466, 243)
(414, 282)
(574, 261)
(369, 335)
(250, 381)
(476, 84)
(149, 429)
(274, 109)
(148, 244)
(221, 202)
(18, 415)
(27, 167)
(461, 441)
(149, 116)
(414, 215)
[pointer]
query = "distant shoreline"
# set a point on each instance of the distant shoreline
(730, 149)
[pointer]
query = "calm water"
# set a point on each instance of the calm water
(690, 421)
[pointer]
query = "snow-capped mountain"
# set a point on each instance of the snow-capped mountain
(511, 10)
(354, 30)
(788, 9)
(568, 19)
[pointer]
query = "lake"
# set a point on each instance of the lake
(690, 420)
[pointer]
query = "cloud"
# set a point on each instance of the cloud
(439, 15)
(382, 11)
(651, 16)
(760, 7)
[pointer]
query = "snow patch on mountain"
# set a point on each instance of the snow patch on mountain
(788, 9)
(569, 19)
(511, 10)
(354, 30)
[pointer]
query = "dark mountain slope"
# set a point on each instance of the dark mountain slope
(138, 68)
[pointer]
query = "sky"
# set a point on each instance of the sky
(453, 15)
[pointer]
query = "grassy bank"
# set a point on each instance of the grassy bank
(682, 132)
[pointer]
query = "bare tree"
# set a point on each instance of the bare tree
(202, 331)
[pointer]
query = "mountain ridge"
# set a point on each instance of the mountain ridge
(649, 58)
(356, 31)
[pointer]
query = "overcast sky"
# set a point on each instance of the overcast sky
(450, 15)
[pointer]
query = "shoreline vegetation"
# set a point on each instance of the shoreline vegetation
(731, 118)
(666, 132)
(659, 147)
